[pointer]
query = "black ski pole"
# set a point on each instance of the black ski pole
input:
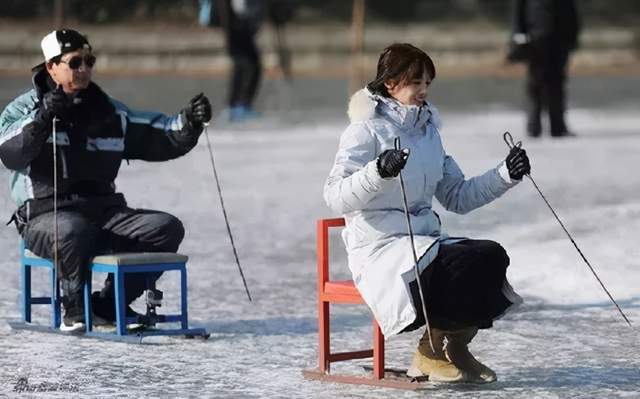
(413, 250)
(509, 140)
(54, 138)
(224, 211)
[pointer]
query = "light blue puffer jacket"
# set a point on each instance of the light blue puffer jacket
(376, 235)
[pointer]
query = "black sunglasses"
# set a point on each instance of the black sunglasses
(76, 61)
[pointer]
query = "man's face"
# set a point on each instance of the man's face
(412, 93)
(73, 71)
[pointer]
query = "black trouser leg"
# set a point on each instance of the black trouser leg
(135, 230)
(535, 91)
(77, 244)
(246, 67)
(77, 241)
(557, 76)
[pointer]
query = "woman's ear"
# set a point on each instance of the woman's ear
(389, 84)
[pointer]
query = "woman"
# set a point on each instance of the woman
(463, 280)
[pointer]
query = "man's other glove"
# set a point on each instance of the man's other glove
(198, 111)
(391, 162)
(518, 163)
(55, 103)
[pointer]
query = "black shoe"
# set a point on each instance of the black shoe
(105, 308)
(73, 319)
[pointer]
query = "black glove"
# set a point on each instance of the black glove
(391, 162)
(55, 103)
(518, 163)
(198, 111)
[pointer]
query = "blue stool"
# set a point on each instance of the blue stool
(119, 265)
(28, 260)
(147, 262)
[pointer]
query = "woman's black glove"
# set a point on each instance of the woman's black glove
(198, 111)
(391, 162)
(518, 163)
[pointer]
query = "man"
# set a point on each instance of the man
(552, 28)
(94, 133)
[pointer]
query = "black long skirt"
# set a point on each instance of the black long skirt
(463, 286)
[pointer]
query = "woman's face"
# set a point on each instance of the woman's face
(70, 74)
(412, 93)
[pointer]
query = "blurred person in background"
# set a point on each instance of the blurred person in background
(463, 280)
(240, 20)
(93, 134)
(549, 29)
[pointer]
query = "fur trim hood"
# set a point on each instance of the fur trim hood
(363, 104)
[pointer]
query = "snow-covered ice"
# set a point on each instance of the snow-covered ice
(566, 341)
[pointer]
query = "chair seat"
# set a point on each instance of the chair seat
(343, 287)
(137, 258)
(30, 255)
(140, 258)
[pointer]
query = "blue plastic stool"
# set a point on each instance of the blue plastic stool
(27, 261)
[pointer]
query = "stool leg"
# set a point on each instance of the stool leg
(87, 303)
(378, 351)
(324, 344)
(55, 299)
(183, 298)
(121, 324)
(26, 292)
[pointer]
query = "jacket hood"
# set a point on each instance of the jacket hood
(364, 105)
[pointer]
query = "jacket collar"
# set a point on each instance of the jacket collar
(365, 105)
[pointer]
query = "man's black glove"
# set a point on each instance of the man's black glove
(198, 111)
(518, 163)
(54, 103)
(391, 162)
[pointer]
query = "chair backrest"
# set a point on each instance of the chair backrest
(322, 245)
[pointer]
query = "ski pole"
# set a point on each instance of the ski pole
(413, 249)
(509, 140)
(54, 134)
(224, 211)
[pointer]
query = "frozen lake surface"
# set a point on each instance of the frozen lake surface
(566, 341)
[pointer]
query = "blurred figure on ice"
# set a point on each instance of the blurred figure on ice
(93, 134)
(463, 280)
(240, 20)
(547, 31)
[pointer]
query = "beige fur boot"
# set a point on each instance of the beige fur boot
(457, 351)
(434, 364)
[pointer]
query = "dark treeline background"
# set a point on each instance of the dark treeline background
(312, 11)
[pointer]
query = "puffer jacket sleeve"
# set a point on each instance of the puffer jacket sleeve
(22, 135)
(153, 136)
(354, 179)
(461, 195)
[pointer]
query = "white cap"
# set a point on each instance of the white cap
(62, 41)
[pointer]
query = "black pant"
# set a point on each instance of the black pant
(92, 227)
(247, 69)
(546, 79)
(462, 286)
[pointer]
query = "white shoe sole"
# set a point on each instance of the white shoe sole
(75, 327)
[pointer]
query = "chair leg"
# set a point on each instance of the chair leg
(324, 345)
(87, 303)
(56, 317)
(26, 292)
(121, 324)
(183, 298)
(378, 351)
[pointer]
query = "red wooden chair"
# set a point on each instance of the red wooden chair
(343, 291)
